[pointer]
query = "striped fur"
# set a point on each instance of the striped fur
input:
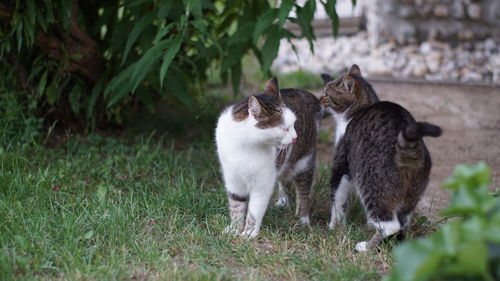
(380, 154)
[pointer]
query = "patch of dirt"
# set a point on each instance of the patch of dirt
(470, 118)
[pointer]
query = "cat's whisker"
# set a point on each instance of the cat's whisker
(282, 148)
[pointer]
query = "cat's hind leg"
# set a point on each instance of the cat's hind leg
(303, 185)
(384, 229)
(237, 196)
(283, 200)
(339, 194)
(340, 185)
(237, 207)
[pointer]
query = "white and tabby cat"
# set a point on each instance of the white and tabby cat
(263, 139)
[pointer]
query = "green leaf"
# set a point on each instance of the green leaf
(172, 47)
(263, 23)
(305, 16)
(96, 93)
(52, 93)
(470, 183)
(416, 260)
(285, 8)
(147, 62)
(64, 13)
(471, 260)
(243, 35)
(471, 176)
(31, 12)
(162, 32)
(120, 85)
(271, 46)
(329, 6)
(43, 82)
(49, 10)
(449, 237)
(136, 31)
(463, 202)
(193, 7)
(164, 9)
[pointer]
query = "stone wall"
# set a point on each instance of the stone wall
(414, 21)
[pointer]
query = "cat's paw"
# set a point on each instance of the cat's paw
(333, 223)
(282, 202)
(231, 230)
(305, 220)
(362, 246)
(249, 233)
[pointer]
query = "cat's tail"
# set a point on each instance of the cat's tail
(409, 136)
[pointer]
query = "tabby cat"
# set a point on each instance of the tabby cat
(263, 139)
(379, 152)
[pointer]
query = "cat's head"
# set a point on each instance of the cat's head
(347, 93)
(271, 121)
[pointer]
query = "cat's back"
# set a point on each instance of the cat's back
(372, 133)
(300, 101)
(381, 120)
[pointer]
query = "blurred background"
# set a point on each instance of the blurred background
(435, 40)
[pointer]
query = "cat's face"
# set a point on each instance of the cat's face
(344, 93)
(274, 122)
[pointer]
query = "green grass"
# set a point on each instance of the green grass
(147, 211)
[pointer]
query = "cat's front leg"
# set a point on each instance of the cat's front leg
(257, 207)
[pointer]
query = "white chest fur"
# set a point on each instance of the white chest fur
(243, 158)
(342, 122)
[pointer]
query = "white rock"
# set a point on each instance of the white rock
(474, 11)
(471, 76)
(441, 11)
(425, 47)
(433, 62)
(489, 45)
(378, 67)
(457, 9)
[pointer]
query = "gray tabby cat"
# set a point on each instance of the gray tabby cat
(263, 139)
(379, 151)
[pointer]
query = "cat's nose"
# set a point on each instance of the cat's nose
(294, 140)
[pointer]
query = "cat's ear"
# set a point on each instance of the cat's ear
(326, 78)
(355, 70)
(348, 84)
(272, 87)
(254, 107)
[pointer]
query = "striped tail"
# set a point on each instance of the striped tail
(409, 136)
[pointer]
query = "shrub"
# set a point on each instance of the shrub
(464, 249)
(86, 62)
